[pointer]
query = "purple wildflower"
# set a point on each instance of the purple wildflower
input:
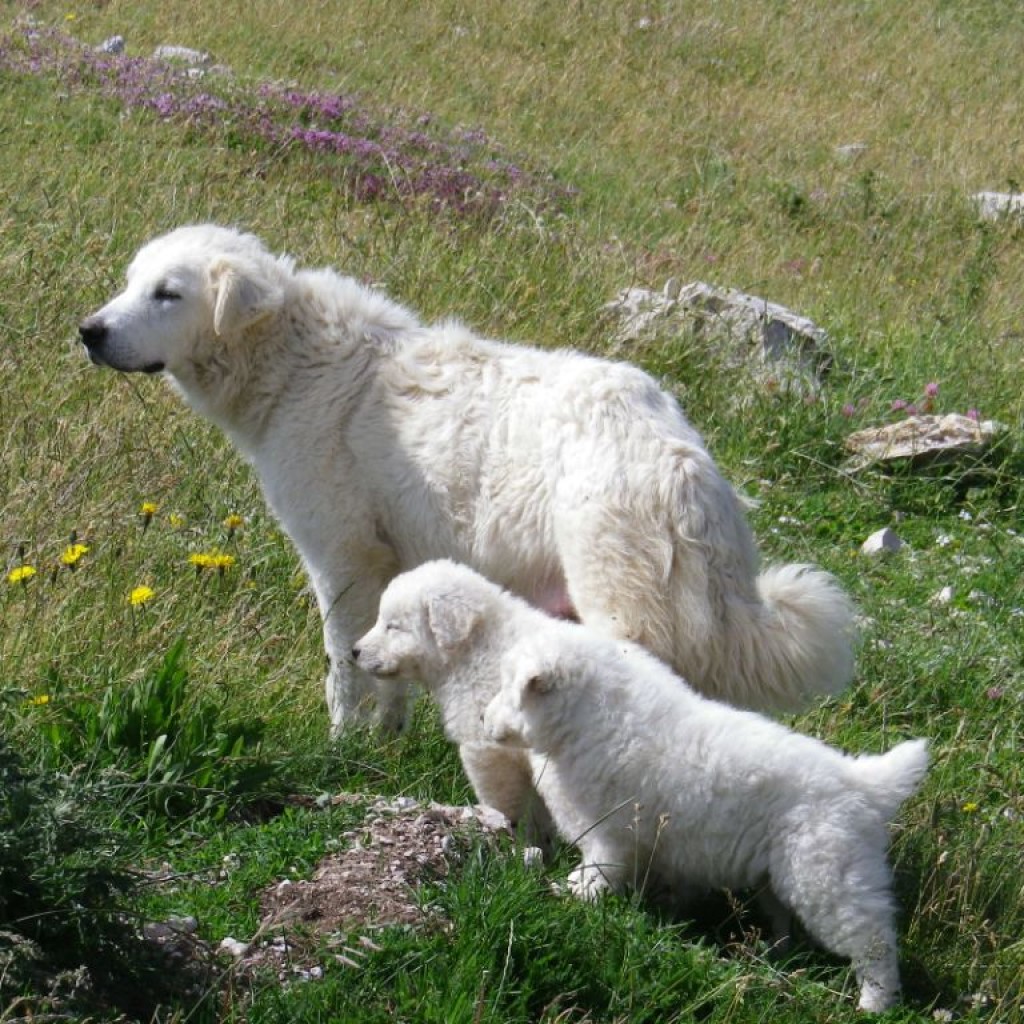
(383, 155)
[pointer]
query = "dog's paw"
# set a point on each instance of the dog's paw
(587, 882)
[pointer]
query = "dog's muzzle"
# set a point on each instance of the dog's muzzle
(94, 336)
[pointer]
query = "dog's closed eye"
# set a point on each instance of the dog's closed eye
(164, 293)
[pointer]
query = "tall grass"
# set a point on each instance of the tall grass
(693, 140)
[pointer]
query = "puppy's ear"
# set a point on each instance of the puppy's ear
(242, 294)
(538, 681)
(528, 672)
(452, 620)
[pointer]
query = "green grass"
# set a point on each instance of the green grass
(701, 144)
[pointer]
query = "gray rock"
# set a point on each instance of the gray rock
(924, 438)
(882, 542)
(114, 45)
(771, 341)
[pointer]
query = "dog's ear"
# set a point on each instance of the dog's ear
(528, 671)
(242, 294)
(452, 620)
(538, 681)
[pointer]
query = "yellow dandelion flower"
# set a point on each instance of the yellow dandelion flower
(211, 560)
(141, 595)
(71, 16)
(177, 520)
(73, 553)
(40, 700)
(233, 522)
(22, 574)
(970, 807)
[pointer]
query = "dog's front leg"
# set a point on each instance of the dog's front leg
(348, 605)
(601, 869)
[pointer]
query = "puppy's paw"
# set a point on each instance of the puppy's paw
(587, 882)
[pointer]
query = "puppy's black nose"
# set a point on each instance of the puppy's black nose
(355, 653)
(92, 332)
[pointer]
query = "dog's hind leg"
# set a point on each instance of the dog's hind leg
(618, 574)
(839, 885)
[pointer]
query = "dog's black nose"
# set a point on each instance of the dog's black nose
(355, 653)
(92, 332)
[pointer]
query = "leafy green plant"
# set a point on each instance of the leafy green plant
(70, 934)
(184, 754)
(58, 880)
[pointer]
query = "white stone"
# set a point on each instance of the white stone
(944, 596)
(993, 205)
(882, 542)
(533, 857)
(182, 55)
(851, 151)
(925, 438)
(233, 947)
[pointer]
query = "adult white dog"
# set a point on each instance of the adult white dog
(381, 443)
(658, 786)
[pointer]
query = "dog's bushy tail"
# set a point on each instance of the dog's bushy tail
(794, 644)
(889, 779)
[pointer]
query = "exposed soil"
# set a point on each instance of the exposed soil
(375, 882)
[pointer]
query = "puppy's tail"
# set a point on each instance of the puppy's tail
(794, 644)
(889, 779)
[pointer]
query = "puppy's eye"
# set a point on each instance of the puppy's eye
(392, 627)
(163, 293)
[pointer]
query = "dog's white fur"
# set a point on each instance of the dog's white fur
(444, 626)
(657, 786)
(660, 786)
(381, 442)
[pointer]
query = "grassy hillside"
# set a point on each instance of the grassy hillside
(537, 158)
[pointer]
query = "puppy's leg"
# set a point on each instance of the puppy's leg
(501, 778)
(603, 867)
(840, 886)
(781, 919)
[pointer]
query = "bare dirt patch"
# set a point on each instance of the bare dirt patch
(374, 883)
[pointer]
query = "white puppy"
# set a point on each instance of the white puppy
(445, 627)
(381, 442)
(659, 786)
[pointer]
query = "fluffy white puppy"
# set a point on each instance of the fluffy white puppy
(659, 786)
(382, 442)
(445, 627)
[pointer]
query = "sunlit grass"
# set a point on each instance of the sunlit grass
(702, 144)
